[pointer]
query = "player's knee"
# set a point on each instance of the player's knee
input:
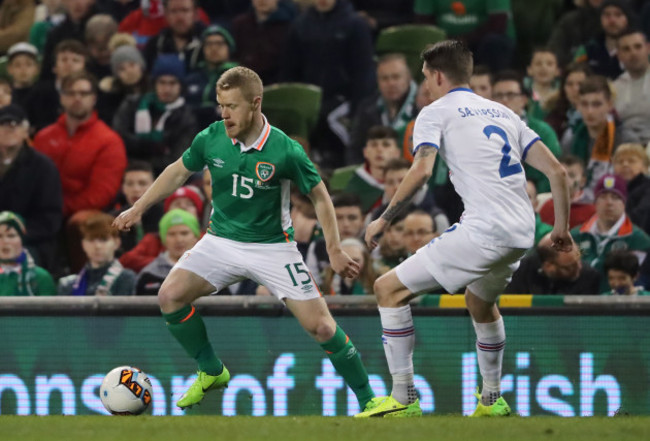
(324, 330)
(383, 293)
(170, 296)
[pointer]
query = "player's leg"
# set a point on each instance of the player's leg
(314, 316)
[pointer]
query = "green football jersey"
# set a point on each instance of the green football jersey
(250, 187)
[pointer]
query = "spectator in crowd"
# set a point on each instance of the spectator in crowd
(187, 198)
(118, 9)
(261, 36)
(77, 14)
(380, 14)
(581, 208)
(368, 180)
(103, 275)
(138, 177)
(306, 228)
(201, 86)
(563, 114)
(43, 104)
(16, 18)
(129, 80)
(330, 46)
(633, 86)
(183, 36)
(508, 90)
(486, 26)
(99, 31)
(23, 68)
(391, 250)
(541, 228)
(393, 105)
(30, 186)
(5, 92)
(600, 53)
(622, 271)
(349, 220)
(363, 285)
(596, 138)
(610, 228)
(89, 155)
(159, 126)
(541, 82)
(48, 14)
(394, 173)
(575, 28)
(145, 22)
(547, 271)
(631, 163)
(179, 231)
(419, 230)
(19, 274)
(481, 81)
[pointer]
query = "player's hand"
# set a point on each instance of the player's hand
(343, 265)
(374, 230)
(561, 241)
(127, 219)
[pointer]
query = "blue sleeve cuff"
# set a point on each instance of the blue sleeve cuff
(530, 144)
(415, 150)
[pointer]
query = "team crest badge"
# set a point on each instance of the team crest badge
(264, 171)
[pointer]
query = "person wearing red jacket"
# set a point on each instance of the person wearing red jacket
(89, 155)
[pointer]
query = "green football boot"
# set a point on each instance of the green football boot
(389, 407)
(499, 409)
(201, 385)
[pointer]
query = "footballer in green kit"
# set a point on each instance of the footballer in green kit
(250, 236)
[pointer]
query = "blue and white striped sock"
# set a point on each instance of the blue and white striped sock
(399, 338)
(490, 344)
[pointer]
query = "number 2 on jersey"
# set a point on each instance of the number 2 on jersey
(505, 168)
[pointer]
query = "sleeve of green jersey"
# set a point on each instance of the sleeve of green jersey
(303, 172)
(193, 158)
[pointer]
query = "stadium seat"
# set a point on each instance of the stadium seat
(409, 40)
(292, 107)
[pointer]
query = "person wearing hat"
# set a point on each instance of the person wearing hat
(182, 37)
(19, 274)
(218, 47)
(188, 198)
(179, 231)
(158, 126)
(29, 186)
(600, 51)
(610, 228)
(23, 68)
(129, 79)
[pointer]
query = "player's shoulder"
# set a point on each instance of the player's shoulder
(281, 141)
(217, 128)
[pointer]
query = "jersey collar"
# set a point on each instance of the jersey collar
(260, 142)
(461, 89)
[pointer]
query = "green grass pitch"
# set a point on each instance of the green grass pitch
(316, 428)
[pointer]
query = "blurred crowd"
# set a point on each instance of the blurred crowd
(97, 97)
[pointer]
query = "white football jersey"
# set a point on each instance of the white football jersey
(484, 144)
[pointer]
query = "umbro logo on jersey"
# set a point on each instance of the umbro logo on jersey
(264, 171)
(218, 162)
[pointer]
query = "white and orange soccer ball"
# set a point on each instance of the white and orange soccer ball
(126, 390)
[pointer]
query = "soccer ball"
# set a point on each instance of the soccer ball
(126, 390)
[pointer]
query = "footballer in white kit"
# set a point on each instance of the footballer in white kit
(484, 145)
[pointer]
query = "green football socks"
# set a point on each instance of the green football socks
(347, 362)
(186, 325)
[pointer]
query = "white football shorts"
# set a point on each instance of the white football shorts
(277, 266)
(453, 261)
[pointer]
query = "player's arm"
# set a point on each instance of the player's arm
(417, 176)
(169, 180)
(540, 157)
(339, 260)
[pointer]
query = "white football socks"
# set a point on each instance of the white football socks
(490, 343)
(399, 338)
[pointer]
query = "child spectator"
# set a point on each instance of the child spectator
(179, 231)
(631, 163)
(23, 68)
(138, 177)
(103, 275)
(481, 81)
(19, 275)
(542, 82)
(622, 271)
(363, 285)
(391, 250)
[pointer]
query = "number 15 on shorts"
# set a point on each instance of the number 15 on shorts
(301, 273)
